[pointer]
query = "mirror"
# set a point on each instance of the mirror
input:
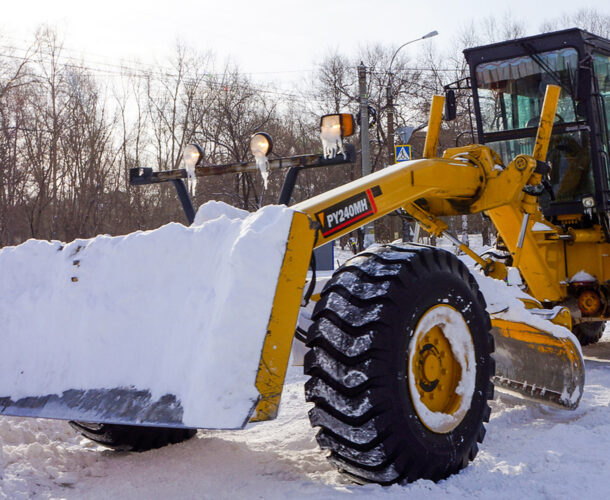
(450, 106)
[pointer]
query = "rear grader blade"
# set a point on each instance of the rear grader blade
(536, 354)
(537, 364)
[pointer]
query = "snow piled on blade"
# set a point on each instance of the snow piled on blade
(582, 276)
(215, 209)
(177, 310)
(505, 302)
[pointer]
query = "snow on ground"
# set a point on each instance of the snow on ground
(530, 451)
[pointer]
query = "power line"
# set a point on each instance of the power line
(432, 70)
(215, 79)
(150, 68)
(122, 71)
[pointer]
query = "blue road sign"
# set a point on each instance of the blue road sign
(402, 152)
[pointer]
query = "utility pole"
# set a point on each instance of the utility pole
(364, 121)
(390, 107)
(365, 150)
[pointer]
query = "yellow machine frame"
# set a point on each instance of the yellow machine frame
(465, 180)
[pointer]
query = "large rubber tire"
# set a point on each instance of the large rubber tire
(589, 332)
(359, 346)
(132, 437)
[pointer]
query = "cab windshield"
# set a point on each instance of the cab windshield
(511, 91)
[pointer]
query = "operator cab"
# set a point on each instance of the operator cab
(508, 82)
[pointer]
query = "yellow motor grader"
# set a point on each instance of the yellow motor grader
(406, 343)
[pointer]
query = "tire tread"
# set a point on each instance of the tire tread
(352, 416)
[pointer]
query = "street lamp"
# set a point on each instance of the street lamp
(390, 101)
(427, 35)
(390, 106)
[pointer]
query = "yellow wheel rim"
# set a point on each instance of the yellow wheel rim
(441, 368)
(437, 373)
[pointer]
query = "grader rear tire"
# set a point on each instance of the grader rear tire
(400, 365)
(590, 332)
(132, 437)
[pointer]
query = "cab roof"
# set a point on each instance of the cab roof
(581, 40)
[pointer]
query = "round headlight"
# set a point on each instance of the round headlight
(261, 145)
(192, 155)
(330, 127)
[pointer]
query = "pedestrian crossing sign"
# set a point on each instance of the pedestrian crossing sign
(402, 152)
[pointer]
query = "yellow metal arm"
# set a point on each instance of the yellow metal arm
(434, 126)
(545, 127)
(350, 206)
(466, 180)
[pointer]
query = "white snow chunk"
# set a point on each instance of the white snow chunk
(566, 397)
(582, 276)
(191, 179)
(177, 310)
(215, 209)
(260, 147)
(541, 227)
(262, 162)
(514, 277)
(331, 140)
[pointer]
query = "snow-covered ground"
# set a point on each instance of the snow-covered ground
(530, 451)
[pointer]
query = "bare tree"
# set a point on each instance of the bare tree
(238, 110)
(589, 19)
(176, 101)
(89, 159)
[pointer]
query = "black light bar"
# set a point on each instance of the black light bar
(144, 175)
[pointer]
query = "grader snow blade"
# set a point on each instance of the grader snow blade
(118, 334)
(537, 364)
